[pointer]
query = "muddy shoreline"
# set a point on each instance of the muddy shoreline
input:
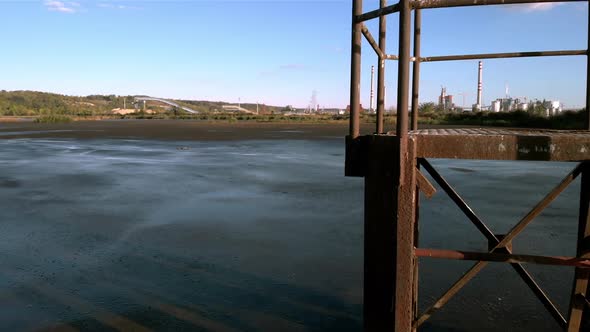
(179, 130)
(172, 130)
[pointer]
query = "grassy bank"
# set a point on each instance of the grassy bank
(53, 119)
(565, 120)
(519, 119)
(237, 117)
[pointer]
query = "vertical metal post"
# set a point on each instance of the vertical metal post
(415, 259)
(406, 190)
(405, 259)
(403, 75)
(390, 195)
(588, 75)
(381, 70)
(578, 313)
(416, 67)
(355, 70)
(381, 202)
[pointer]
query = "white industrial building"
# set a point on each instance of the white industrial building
(509, 105)
(552, 107)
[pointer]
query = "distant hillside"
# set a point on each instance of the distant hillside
(31, 103)
(25, 103)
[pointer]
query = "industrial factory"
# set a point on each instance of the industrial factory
(506, 104)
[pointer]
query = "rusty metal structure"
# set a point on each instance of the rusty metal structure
(392, 165)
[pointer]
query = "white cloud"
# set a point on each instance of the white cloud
(62, 7)
(537, 7)
(115, 6)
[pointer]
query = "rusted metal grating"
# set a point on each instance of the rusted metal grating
(503, 144)
(502, 132)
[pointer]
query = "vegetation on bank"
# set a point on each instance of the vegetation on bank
(534, 118)
(565, 120)
(33, 103)
(54, 108)
(54, 118)
(235, 117)
(520, 119)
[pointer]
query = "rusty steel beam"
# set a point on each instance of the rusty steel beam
(578, 310)
(502, 55)
(535, 211)
(492, 239)
(503, 144)
(423, 4)
(588, 77)
(549, 305)
(424, 185)
(456, 287)
(403, 301)
(391, 57)
(579, 262)
(471, 273)
(390, 189)
(403, 73)
(458, 200)
(475, 269)
(379, 259)
(355, 71)
(416, 67)
(371, 41)
(381, 70)
(419, 177)
(382, 11)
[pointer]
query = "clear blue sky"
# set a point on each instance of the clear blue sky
(276, 52)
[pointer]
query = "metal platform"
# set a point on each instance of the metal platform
(382, 150)
(502, 144)
(393, 166)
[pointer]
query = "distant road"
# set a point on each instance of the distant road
(171, 103)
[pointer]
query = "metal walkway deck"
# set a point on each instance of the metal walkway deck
(502, 144)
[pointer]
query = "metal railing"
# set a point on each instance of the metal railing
(391, 167)
(405, 8)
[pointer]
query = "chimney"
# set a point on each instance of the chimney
(479, 85)
(371, 109)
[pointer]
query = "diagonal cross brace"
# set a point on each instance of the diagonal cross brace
(577, 311)
(475, 269)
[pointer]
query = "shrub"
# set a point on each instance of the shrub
(53, 119)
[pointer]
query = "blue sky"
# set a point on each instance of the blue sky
(277, 52)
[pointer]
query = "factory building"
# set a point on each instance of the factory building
(445, 102)
(509, 105)
(552, 107)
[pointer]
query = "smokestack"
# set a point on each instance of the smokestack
(371, 109)
(479, 85)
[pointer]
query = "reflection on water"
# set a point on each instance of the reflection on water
(245, 236)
